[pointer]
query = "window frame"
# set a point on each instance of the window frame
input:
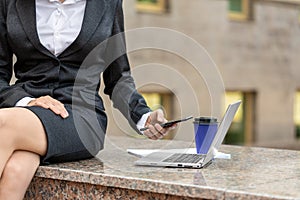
(296, 106)
(243, 15)
(160, 7)
(248, 117)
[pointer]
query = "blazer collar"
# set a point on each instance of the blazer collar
(94, 12)
(27, 15)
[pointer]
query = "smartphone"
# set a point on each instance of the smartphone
(170, 123)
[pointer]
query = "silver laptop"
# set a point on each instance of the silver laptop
(178, 159)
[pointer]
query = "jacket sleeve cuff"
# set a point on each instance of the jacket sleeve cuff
(141, 123)
(24, 102)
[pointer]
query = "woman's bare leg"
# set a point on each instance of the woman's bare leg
(20, 129)
(17, 174)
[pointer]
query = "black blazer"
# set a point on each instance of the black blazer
(40, 73)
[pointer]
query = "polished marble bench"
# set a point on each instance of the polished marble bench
(251, 173)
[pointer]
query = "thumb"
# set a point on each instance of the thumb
(160, 116)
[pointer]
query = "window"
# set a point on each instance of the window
(297, 114)
(152, 6)
(241, 131)
(240, 10)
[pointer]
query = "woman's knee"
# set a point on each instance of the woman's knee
(16, 172)
(13, 171)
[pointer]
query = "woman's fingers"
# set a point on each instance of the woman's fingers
(156, 131)
(153, 133)
(48, 102)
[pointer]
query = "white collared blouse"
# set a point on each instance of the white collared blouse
(59, 24)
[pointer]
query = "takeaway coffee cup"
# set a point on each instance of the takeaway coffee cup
(205, 130)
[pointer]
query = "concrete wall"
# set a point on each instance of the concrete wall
(260, 55)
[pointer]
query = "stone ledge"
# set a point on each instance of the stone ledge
(43, 188)
(251, 173)
(91, 179)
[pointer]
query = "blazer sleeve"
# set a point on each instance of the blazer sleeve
(9, 95)
(119, 84)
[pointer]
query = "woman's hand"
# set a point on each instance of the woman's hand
(155, 131)
(50, 103)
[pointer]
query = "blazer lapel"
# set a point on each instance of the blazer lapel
(27, 15)
(94, 12)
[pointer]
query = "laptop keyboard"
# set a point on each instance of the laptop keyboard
(184, 158)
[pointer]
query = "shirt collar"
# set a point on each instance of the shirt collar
(66, 1)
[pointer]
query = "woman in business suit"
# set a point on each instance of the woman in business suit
(53, 113)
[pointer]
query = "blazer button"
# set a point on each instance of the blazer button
(56, 63)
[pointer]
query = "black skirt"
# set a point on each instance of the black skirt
(79, 136)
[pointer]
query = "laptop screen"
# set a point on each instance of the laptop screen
(222, 129)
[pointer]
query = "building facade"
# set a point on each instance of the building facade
(257, 59)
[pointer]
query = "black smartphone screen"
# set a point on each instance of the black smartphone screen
(170, 123)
